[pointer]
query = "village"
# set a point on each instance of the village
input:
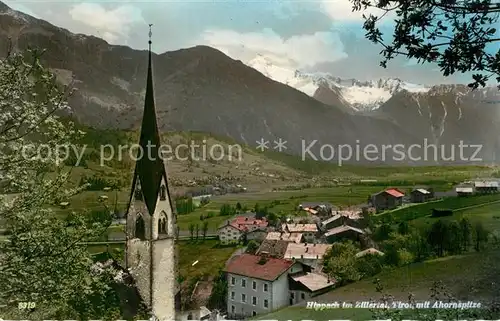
(282, 264)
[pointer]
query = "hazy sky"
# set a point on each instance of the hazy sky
(310, 35)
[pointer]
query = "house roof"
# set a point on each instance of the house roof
(275, 248)
(369, 251)
(313, 281)
(288, 237)
(486, 184)
(296, 227)
(422, 191)
(310, 210)
(394, 192)
(248, 265)
(243, 223)
(306, 251)
(343, 228)
(316, 204)
(332, 219)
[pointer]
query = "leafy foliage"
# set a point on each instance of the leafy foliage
(454, 34)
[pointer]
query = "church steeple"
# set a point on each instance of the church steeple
(150, 168)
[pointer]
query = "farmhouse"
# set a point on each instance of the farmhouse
(485, 187)
(317, 208)
(309, 254)
(343, 232)
(233, 231)
(420, 195)
(308, 231)
(258, 284)
(258, 234)
(305, 285)
(288, 237)
(273, 248)
(387, 199)
(229, 233)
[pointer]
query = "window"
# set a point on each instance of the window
(254, 313)
(140, 228)
(302, 296)
(232, 295)
(254, 300)
(233, 280)
(265, 287)
(292, 295)
(243, 283)
(232, 309)
(266, 304)
(163, 193)
(243, 297)
(254, 285)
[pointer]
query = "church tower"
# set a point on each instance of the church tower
(151, 255)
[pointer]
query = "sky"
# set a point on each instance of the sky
(308, 35)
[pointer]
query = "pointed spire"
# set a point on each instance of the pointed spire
(150, 168)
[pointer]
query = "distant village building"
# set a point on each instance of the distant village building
(387, 199)
(288, 237)
(273, 248)
(317, 208)
(233, 230)
(309, 254)
(464, 191)
(486, 187)
(306, 285)
(343, 232)
(258, 284)
(336, 221)
(258, 234)
(308, 231)
(421, 195)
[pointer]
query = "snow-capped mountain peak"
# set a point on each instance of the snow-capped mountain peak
(360, 95)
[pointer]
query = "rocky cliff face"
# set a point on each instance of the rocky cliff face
(201, 89)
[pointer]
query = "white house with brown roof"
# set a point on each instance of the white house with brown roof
(233, 230)
(258, 284)
(309, 254)
(308, 231)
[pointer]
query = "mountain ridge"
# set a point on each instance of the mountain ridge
(202, 89)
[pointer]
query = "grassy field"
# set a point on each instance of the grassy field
(469, 277)
(408, 213)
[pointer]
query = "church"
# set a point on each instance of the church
(151, 255)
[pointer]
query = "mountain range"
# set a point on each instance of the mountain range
(202, 89)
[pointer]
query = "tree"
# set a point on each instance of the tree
(204, 229)
(480, 236)
(465, 231)
(438, 236)
(457, 35)
(197, 229)
(403, 228)
(340, 263)
(42, 258)
(191, 231)
(238, 207)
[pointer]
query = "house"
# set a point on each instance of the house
(485, 187)
(309, 254)
(288, 237)
(464, 191)
(229, 233)
(308, 231)
(420, 195)
(344, 232)
(273, 248)
(321, 208)
(258, 284)
(258, 234)
(371, 251)
(337, 220)
(233, 231)
(387, 199)
(305, 285)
